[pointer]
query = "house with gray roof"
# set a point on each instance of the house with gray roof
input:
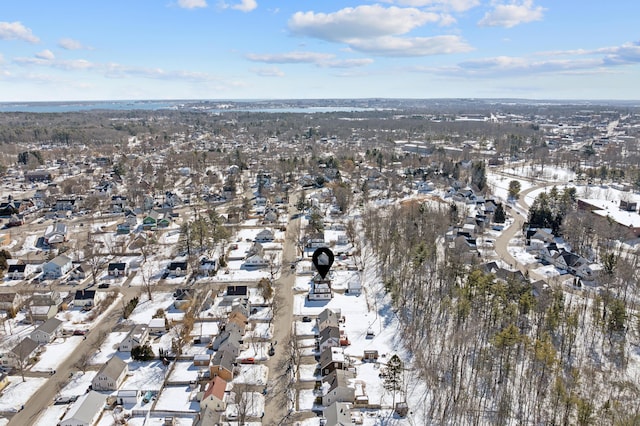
(111, 375)
(56, 267)
(47, 331)
(85, 411)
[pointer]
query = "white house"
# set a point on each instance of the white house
(136, 337)
(47, 331)
(265, 236)
(85, 411)
(256, 261)
(57, 267)
(111, 375)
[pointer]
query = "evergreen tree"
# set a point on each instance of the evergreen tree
(499, 216)
(391, 375)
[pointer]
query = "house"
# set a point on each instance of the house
(128, 396)
(178, 269)
(16, 271)
(47, 331)
(131, 218)
(339, 389)
(136, 337)
(370, 355)
(157, 326)
(242, 308)
(39, 313)
(182, 298)
(80, 272)
(316, 241)
(333, 358)
(10, 301)
(46, 299)
(208, 267)
(328, 318)
(329, 337)
(117, 269)
(337, 414)
(213, 397)
(85, 411)
(21, 353)
(56, 233)
(84, 298)
(201, 360)
(123, 228)
(234, 291)
(111, 375)
(255, 262)
(320, 289)
(222, 365)
(265, 236)
(57, 267)
(150, 221)
(228, 340)
(65, 204)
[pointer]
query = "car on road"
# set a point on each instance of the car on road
(306, 319)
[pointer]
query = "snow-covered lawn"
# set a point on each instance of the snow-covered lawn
(146, 376)
(17, 393)
(78, 384)
(178, 398)
(184, 371)
(252, 375)
(56, 352)
(51, 415)
(108, 348)
(253, 402)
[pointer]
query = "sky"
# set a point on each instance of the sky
(309, 49)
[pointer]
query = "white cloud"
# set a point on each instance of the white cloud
(71, 44)
(376, 29)
(290, 57)
(453, 5)
(16, 31)
(324, 60)
(46, 55)
(512, 14)
(360, 22)
(268, 72)
(577, 61)
(245, 5)
(415, 46)
(192, 4)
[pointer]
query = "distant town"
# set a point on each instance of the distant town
(156, 262)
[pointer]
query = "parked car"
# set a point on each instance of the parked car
(147, 397)
(65, 400)
(306, 319)
(249, 360)
(80, 332)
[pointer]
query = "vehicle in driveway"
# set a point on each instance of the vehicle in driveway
(306, 319)
(249, 360)
(65, 400)
(80, 332)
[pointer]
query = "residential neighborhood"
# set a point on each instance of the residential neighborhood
(176, 279)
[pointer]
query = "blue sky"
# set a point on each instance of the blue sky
(260, 49)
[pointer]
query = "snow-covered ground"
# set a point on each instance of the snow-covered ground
(18, 392)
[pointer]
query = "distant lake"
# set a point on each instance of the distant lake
(60, 107)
